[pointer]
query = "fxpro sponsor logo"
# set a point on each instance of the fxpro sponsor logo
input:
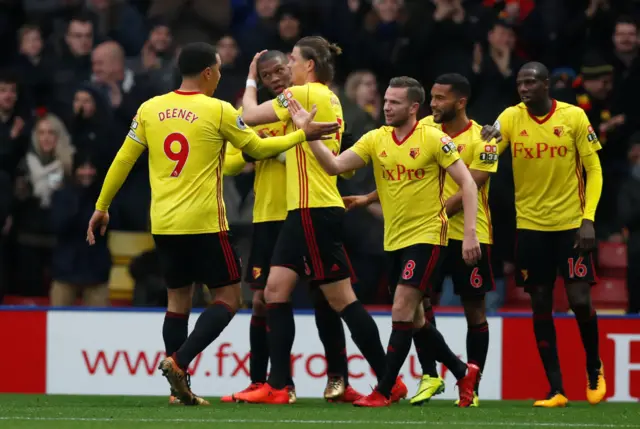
(118, 353)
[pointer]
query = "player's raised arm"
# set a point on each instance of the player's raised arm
(252, 112)
(485, 163)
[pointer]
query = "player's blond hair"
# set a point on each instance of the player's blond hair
(322, 53)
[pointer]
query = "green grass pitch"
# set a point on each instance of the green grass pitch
(112, 412)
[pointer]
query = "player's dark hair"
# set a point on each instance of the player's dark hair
(195, 57)
(322, 53)
(415, 91)
(272, 55)
(541, 71)
(626, 19)
(459, 84)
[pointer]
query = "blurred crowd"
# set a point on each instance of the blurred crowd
(73, 73)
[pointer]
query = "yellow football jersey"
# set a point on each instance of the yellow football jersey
(477, 155)
(410, 176)
(270, 177)
(547, 164)
(185, 134)
(308, 185)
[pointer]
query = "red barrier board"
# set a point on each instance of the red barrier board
(523, 375)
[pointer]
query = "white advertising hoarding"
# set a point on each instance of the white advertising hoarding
(117, 353)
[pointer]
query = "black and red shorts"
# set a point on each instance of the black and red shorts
(310, 243)
(210, 259)
(263, 242)
(543, 255)
(469, 281)
(415, 266)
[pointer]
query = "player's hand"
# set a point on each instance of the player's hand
(253, 67)
(585, 237)
(471, 252)
(489, 132)
(354, 201)
(304, 121)
(99, 220)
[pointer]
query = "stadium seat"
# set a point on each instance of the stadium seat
(610, 293)
(125, 246)
(612, 255)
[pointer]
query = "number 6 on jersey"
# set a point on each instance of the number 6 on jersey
(179, 141)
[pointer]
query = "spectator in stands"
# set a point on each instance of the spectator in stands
(119, 21)
(361, 88)
(194, 20)
(233, 74)
(259, 31)
(629, 212)
(90, 127)
(78, 269)
(14, 129)
(33, 71)
(46, 165)
(157, 59)
(494, 74)
(291, 22)
(70, 61)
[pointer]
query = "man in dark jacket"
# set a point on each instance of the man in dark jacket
(629, 212)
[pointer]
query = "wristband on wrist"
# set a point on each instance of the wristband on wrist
(252, 83)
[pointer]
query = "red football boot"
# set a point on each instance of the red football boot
(232, 397)
(349, 396)
(374, 400)
(265, 394)
(399, 391)
(467, 385)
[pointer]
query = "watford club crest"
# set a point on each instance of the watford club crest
(558, 131)
(256, 271)
(414, 152)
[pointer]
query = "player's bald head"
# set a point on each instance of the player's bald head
(538, 70)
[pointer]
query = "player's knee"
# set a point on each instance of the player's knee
(258, 304)
(339, 294)
(405, 303)
(474, 311)
(230, 295)
(180, 300)
(419, 318)
(579, 301)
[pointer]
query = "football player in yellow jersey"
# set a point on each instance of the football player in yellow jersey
(310, 243)
(269, 212)
(449, 96)
(552, 145)
(410, 161)
(185, 132)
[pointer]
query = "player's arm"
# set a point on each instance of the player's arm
(500, 130)
(588, 145)
(354, 201)
(484, 163)
(235, 131)
(448, 158)
(234, 162)
(134, 145)
(252, 112)
(335, 165)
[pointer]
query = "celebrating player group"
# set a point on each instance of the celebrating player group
(432, 180)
